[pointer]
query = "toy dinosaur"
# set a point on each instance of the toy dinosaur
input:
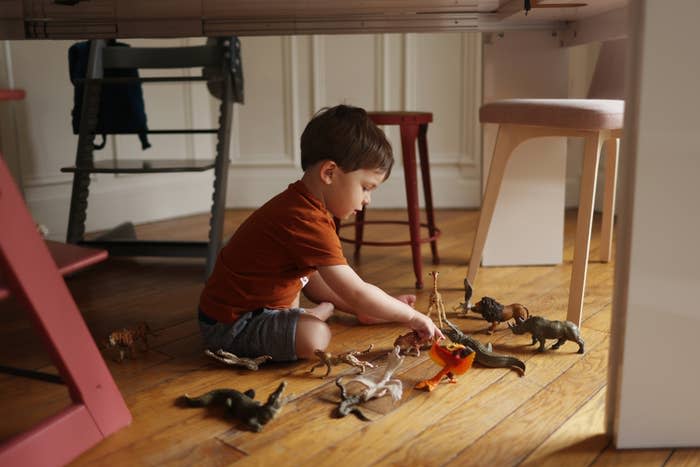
(242, 404)
(484, 355)
(411, 343)
(455, 359)
(125, 340)
(495, 313)
(542, 328)
(374, 387)
(327, 359)
(233, 360)
(466, 305)
(435, 300)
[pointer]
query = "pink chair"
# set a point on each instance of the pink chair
(33, 277)
(599, 120)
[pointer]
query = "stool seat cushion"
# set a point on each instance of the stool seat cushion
(583, 114)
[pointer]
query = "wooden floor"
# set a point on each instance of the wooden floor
(551, 416)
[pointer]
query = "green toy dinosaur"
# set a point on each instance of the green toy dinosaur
(242, 404)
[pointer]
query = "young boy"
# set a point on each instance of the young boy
(250, 304)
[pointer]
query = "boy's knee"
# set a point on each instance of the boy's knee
(311, 334)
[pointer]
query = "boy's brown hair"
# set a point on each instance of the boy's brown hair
(347, 136)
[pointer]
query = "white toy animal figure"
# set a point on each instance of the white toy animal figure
(375, 386)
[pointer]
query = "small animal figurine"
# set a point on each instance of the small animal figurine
(542, 328)
(411, 343)
(435, 300)
(327, 359)
(455, 359)
(484, 355)
(125, 339)
(495, 313)
(375, 386)
(242, 405)
(233, 360)
(466, 305)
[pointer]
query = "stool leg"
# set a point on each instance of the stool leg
(427, 188)
(409, 134)
(584, 221)
(359, 230)
(606, 229)
(508, 138)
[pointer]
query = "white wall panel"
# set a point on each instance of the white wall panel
(264, 123)
(286, 80)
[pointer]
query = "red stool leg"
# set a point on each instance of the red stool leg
(409, 133)
(359, 230)
(427, 188)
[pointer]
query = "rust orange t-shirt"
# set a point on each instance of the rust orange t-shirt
(263, 263)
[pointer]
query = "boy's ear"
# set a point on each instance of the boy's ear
(327, 171)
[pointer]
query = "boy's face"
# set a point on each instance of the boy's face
(348, 192)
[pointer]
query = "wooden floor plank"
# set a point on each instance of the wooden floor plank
(557, 403)
(541, 415)
(637, 457)
(684, 458)
(578, 442)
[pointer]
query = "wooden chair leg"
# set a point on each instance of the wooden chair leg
(584, 222)
(612, 147)
(508, 138)
(409, 133)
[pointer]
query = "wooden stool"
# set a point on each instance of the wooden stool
(413, 125)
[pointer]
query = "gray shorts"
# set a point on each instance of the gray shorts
(256, 333)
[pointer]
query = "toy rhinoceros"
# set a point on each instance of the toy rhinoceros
(542, 328)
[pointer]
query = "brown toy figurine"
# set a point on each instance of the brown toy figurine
(233, 360)
(411, 343)
(542, 328)
(436, 303)
(242, 405)
(466, 305)
(495, 313)
(350, 358)
(125, 339)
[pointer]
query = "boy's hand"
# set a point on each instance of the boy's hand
(425, 327)
(408, 299)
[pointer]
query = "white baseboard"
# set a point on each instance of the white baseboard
(112, 200)
(148, 198)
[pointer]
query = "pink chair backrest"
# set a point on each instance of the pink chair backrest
(609, 76)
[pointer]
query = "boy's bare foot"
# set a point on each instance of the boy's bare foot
(322, 311)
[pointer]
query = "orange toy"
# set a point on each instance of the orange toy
(455, 359)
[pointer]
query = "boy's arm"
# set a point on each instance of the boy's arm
(355, 295)
(318, 291)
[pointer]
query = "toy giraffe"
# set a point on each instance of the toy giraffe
(436, 303)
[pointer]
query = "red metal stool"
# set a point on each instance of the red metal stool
(413, 125)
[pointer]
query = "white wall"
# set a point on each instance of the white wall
(286, 80)
(526, 64)
(654, 379)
